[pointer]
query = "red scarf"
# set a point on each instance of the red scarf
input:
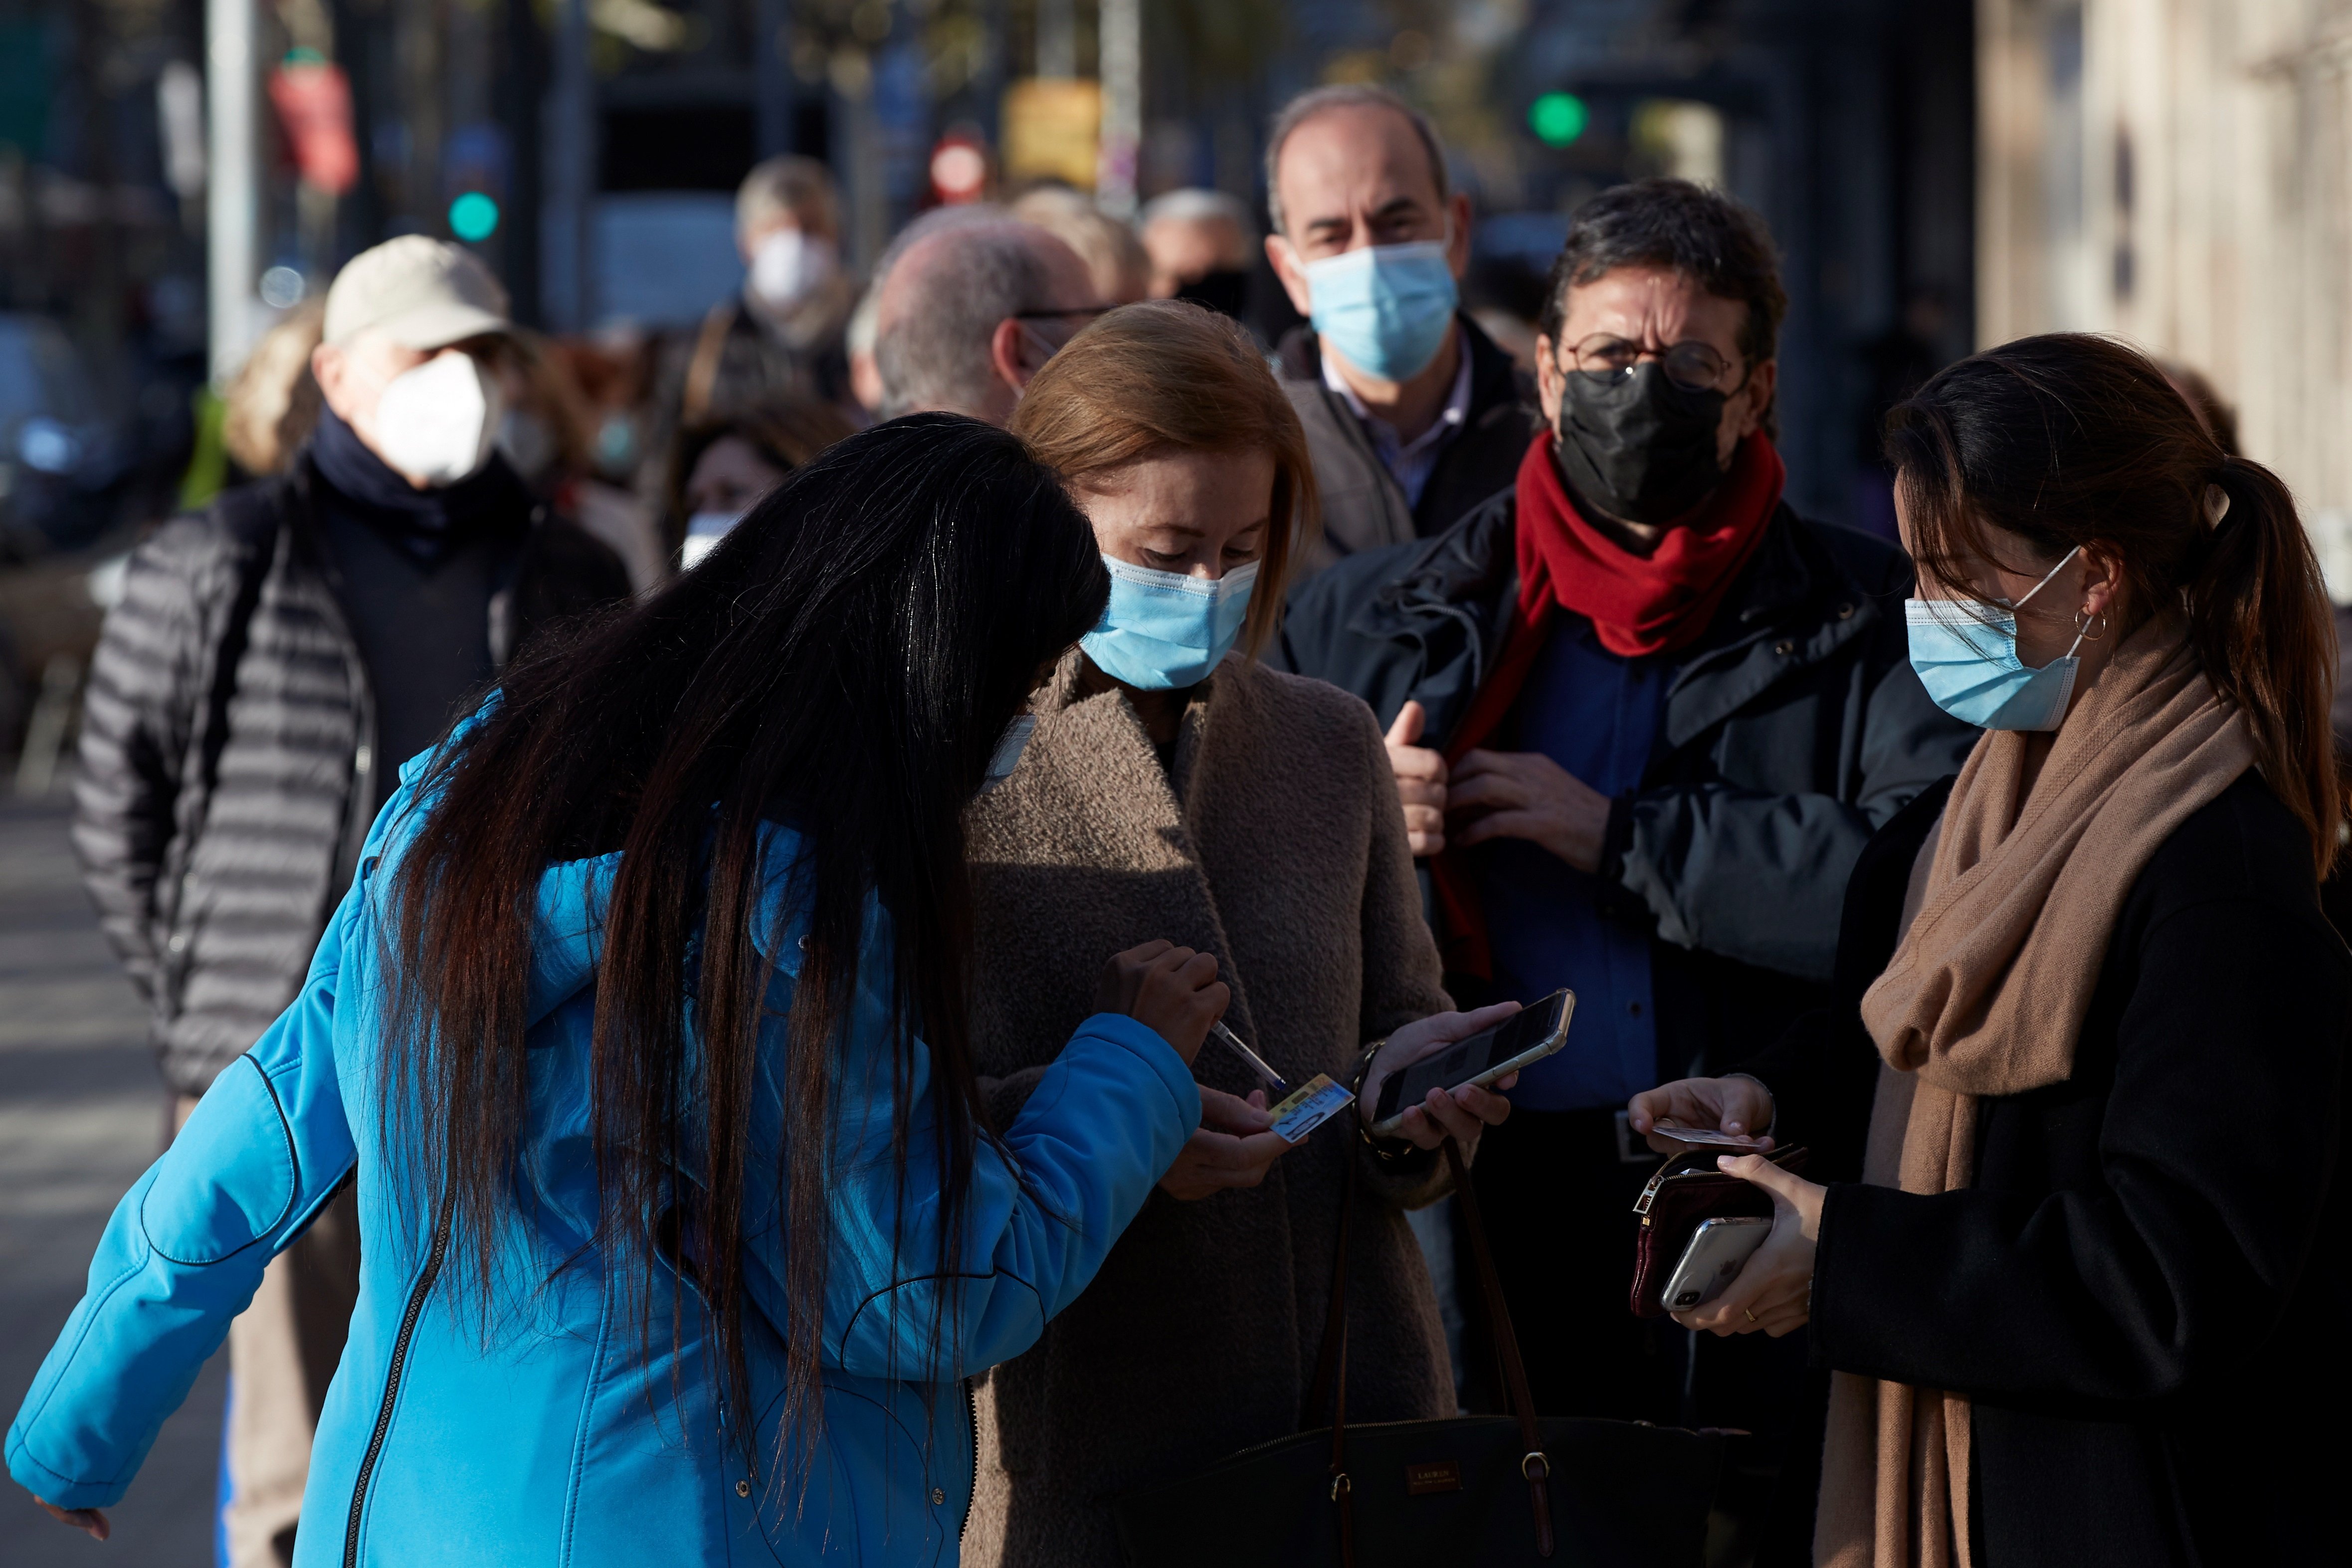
(1642, 604)
(1637, 605)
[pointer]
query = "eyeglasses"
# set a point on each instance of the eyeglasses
(1081, 312)
(1040, 324)
(1690, 364)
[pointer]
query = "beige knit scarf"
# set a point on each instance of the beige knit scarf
(1985, 997)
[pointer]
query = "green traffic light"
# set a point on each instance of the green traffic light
(1558, 117)
(473, 217)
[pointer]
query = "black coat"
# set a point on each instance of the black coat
(1793, 728)
(2122, 1291)
(228, 751)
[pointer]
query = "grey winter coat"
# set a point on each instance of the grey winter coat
(1363, 507)
(228, 753)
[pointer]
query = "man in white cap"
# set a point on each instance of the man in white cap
(270, 666)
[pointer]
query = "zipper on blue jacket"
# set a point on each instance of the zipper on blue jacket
(415, 1310)
(972, 1417)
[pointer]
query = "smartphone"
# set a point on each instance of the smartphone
(1528, 1035)
(1718, 1251)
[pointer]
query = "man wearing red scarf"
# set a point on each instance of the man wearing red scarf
(1643, 718)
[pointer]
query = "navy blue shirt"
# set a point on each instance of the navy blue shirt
(1597, 716)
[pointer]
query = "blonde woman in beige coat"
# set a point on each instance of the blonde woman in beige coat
(1172, 788)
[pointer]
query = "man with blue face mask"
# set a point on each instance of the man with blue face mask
(1412, 414)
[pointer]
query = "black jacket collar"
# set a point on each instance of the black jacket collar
(1794, 605)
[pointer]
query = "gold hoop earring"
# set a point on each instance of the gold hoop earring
(2085, 620)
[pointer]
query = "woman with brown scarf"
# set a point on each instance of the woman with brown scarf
(1175, 783)
(2091, 1015)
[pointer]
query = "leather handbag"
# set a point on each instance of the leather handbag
(1484, 1490)
(1687, 1189)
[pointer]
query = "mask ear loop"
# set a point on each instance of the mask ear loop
(2020, 603)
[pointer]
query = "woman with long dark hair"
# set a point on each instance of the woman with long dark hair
(643, 1030)
(2092, 1017)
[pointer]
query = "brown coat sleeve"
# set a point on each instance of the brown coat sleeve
(1403, 977)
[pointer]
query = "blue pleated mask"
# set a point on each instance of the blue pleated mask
(1162, 630)
(1386, 308)
(1966, 653)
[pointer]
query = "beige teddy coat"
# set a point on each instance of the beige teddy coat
(1280, 848)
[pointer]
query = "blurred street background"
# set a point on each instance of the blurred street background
(176, 176)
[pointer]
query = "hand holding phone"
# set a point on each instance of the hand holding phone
(1470, 1052)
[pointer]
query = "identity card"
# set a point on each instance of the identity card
(1309, 1106)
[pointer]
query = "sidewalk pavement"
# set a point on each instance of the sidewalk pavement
(81, 1115)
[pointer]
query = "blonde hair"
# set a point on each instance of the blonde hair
(1173, 377)
(272, 404)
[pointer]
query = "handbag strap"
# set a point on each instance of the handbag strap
(1533, 1462)
(1332, 1365)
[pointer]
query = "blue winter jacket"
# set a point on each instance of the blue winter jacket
(549, 1434)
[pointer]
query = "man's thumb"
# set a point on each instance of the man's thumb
(1407, 729)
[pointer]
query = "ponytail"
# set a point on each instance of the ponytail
(2262, 627)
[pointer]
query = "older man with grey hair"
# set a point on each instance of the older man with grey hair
(968, 313)
(1413, 415)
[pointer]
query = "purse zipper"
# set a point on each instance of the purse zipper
(1650, 1192)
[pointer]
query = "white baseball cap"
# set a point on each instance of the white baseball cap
(424, 293)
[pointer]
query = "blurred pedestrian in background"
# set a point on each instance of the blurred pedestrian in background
(2088, 1052)
(272, 402)
(1412, 414)
(1644, 717)
(720, 469)
(970, 311)
(548, 433)
(1200, 245)
(1174, 786)
(782, 335)
(270, 665)
(1115, 263)
(739, 1250)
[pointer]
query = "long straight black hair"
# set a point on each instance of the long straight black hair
(844, 662)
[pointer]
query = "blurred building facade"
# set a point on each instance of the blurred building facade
(2180, 172)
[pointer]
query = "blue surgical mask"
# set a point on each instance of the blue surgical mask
(1386, 308)
(1161, 630)
(1007, 755)
(1966, 653)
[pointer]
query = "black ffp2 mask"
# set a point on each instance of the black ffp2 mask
(1638, 446)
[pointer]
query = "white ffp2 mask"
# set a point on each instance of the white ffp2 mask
(438, 421)
(788, 266)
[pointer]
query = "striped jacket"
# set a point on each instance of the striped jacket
(228, 753)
